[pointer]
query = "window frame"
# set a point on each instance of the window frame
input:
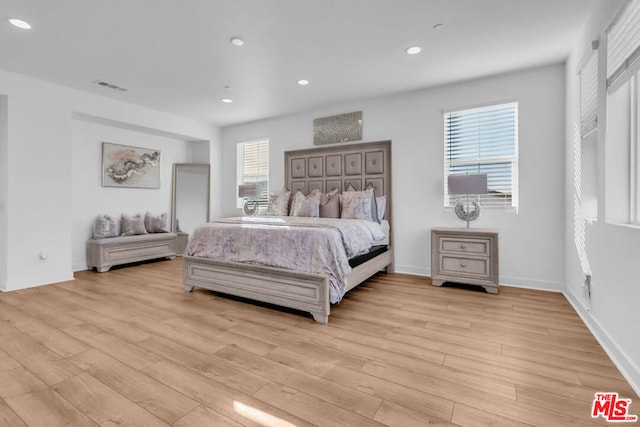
(634, 151)
(241, 176)
(449, 201)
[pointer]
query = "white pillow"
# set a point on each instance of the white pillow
(381, 202)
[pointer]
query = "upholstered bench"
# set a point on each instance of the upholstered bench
(105, 253)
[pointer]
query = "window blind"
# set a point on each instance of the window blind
(623, 46)
(484, 140)
(253, 168)
(589, 95)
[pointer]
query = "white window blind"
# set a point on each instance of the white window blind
(484, 140)
(589, 95)
(623, 46)
(253, 168)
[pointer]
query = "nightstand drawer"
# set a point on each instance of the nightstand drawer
(465, 245)
(461, 266)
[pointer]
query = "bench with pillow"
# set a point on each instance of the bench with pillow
(140, 239)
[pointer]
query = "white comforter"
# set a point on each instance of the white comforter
(316, 245)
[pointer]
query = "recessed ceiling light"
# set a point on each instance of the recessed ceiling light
(413, 50)
(227, 100)
(237, 41)
(303, 82)
(19, 23)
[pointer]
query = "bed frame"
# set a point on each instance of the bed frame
(325, 169)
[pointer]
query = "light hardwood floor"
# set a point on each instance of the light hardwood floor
(130, 347)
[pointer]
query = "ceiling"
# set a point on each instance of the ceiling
(176, 56)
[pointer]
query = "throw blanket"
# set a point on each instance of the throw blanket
(316, 245)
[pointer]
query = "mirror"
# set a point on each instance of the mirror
(190, 205)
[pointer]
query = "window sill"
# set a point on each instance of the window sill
(490, 210)
(634, 226)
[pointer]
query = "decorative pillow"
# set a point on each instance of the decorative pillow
(130, 226)
(356, 205)
(381, 202)
(279, 203)
(306, 206)
(156, 223)
(104, 227)
(329, 204)
(373, 209)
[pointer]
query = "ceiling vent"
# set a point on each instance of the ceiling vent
(110, 85)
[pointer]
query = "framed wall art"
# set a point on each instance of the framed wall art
(340, 128)
(130, 167)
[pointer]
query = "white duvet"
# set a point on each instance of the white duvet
(316, 245)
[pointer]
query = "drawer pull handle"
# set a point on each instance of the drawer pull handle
(463, 265)
(463, 247)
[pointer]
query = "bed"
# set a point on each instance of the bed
(323, 169)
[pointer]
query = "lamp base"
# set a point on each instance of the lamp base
(250, 207)
(467, 209)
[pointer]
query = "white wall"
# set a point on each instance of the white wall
(91, 199)
(531, 242)
(39, 192)
(613, 249)
(4, 185)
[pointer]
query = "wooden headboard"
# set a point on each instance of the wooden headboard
(337, 166)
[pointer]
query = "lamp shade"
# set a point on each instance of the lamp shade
(467, 184)
(248, 190)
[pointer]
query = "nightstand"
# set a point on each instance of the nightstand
(465, 255)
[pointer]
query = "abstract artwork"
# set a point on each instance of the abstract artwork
(340, 128)
(131, 167)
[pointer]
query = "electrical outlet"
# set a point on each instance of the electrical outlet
(587, 285)
(586, 291)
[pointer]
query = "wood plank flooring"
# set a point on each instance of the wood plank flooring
(130, 347)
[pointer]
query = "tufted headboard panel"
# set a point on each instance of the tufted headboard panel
(327, 168)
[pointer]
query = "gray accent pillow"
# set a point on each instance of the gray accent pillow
(356, 205)
(329, 204)
(306, 205)
(104, 227)
(373, 209)
(156, 223)
(132, 225)
(279, 203)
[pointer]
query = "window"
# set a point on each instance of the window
(585, 143)
(484, 140)
(253, 168)
(622, 185)
(589, 95)
(623, 41)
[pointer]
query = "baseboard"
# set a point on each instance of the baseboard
(535, 284)
(79, 267)
(629, 370)
(33, 282)
(408, 269)
(516, 282)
